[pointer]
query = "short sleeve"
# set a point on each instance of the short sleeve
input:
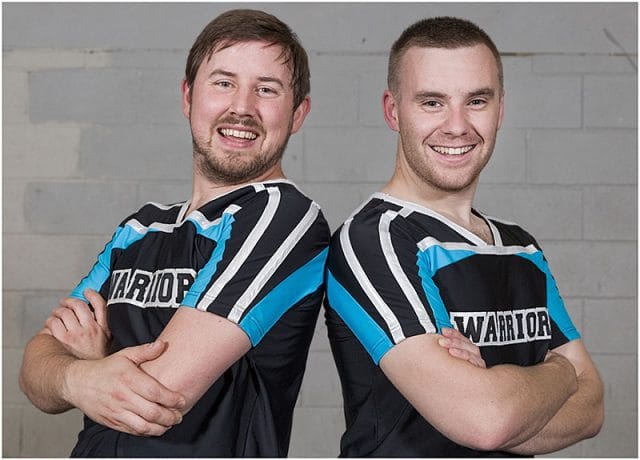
(270, 254)
(373, 282)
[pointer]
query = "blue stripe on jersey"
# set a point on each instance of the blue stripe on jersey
(220, 233)
(429, 262)
(372, 336)
(99, 274)
(304, 281)
(555, 304)
(436, 257)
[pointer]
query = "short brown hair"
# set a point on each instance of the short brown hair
(245, 25)
(439, 32)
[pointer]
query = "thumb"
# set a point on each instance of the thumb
(146, 352)
(99, 308)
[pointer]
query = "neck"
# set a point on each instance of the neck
(454, 205)
(205, 190)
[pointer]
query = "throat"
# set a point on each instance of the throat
(480, 228)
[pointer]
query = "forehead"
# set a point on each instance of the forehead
(463, 67)
(249, 58)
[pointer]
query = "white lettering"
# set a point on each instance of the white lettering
(504, 327)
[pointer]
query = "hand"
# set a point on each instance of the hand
(82, 332)
(115, 392)
(461, 347)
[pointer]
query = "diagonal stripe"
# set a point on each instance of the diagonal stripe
(365, 283)
(245, 250)
(274, 262)
(301, 283)
(399, 274)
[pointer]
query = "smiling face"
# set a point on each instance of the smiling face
(240, 108)
(448, 107)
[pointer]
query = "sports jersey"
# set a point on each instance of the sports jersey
(255, 256)
(397, 270)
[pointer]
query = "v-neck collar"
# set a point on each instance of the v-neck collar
(470, 236)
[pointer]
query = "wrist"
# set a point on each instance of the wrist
(70, 378)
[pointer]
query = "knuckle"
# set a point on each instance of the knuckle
(143, 428)
(118, 396)
(152, 413)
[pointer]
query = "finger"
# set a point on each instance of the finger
(146, 352)
(454, 338)
(81, 310)
(99, 307)
(152, 412)
(452, 333)
(55, 325)
(67, 316)
(131, 423)
(466, 356)
(145, 385)
(153, 391)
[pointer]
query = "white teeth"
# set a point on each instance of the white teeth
(239, 134)
(452, 150)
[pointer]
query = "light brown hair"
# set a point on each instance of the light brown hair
(439, 32)
(245, 25)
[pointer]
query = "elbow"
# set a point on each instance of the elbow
(597, 420)
(492, 432)
(596, 414)
(496, 438)
(487, 440)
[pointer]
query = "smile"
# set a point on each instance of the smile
(245, 135)
(452, 150)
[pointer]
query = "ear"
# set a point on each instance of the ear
(390, 110)
(300, 113)
(501, 114)
(186, 99)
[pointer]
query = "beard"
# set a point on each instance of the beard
(233, 168)
(446, 181)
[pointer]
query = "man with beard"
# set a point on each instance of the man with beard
(448, 330)
(200, 347)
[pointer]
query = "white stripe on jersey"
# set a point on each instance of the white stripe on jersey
(198, 217)
(274, 262)
(430, 241)
(399, 274)
(365, 283)
(497, 238)
(242, 255)
(195, 216)
(429, 212)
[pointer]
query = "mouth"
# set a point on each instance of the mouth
(453, 151)
(238, 134)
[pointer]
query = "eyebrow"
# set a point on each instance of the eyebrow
(488, 92)
(265, 79)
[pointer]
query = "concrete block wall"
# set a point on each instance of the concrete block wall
(92, 128)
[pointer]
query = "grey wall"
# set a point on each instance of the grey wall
(93, 129)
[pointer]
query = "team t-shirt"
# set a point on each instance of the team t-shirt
(397, 270)
(255, 256)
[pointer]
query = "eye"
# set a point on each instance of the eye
(223, 84)
(431, 104)
(266, 91)
(477, 102)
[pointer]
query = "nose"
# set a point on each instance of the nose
(455, 123)
(243, 102)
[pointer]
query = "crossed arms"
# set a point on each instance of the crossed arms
(523, 410)
(141, 390)
(145, 390)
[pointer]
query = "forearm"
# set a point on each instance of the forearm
(531, 398)
(581, 417)
(485, 409)
(42, 375)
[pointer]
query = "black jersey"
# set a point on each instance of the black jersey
(397, 270)
(255, 256)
